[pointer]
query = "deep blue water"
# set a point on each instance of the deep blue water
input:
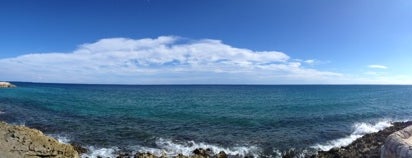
(249, 119)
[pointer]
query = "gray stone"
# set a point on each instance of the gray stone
(396, 144)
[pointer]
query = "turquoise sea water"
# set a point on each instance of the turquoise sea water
(260, 121)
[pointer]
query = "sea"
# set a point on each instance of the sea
(241, 120)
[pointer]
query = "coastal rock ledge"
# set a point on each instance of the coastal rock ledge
(6, 85)
(24, 142)
(390, 142)
(398, 144)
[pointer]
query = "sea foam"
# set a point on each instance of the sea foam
(61, 138)
(187, 148)
(100, 152)
(169, 148)
(359, 129)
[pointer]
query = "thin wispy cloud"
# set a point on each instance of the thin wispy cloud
(166, 59)
(377, 67)
(310, 61)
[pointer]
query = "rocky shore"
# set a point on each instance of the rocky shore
(368, 146)
(197, 153)
(20, 141)
(6, 85)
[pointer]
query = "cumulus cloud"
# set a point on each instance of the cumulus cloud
(166, 59)
(377, 67)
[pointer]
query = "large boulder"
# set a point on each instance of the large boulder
(20, 141)
(398, 144)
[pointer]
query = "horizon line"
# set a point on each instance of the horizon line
(213, 84)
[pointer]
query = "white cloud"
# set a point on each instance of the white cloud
(165, 59)
(377, 67)
(313, 62)
(310, 61)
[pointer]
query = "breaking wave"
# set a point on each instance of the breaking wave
(359, 129)
(170, 148)
(61, 138)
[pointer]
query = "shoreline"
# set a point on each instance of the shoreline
(368, 145)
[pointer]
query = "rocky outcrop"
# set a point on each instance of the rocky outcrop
(6, 85)
(24, 142)
(398, 144)
(367, 146)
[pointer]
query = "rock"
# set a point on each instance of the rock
(145, 155)
(291, 153)
(123, 155)
(79, 149)
(181, 156)
(398, 144)
(20, 141)
(200, 153)
(368, 145)
(222, 154)
(6, 85)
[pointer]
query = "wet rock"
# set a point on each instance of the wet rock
(20, 141)
(181, 156)
(145, 155)
(123, 155)
(199, 152)
(222, 154)
(79, 148)
(291, 153)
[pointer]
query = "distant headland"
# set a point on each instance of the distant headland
(6, 85)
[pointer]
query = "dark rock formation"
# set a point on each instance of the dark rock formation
(79, 148)
(222, 154)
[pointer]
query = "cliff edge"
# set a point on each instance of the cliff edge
(20, 141)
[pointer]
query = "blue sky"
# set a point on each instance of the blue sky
(320, 41)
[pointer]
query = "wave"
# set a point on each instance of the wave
(93, 152)
(61, 138)
(100, 152)
(169, 148)
(172, 148)
(359, 130)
